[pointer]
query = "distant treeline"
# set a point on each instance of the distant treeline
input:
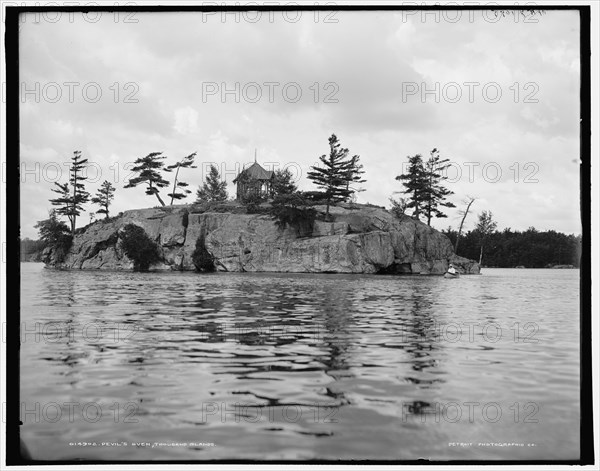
(31, 250)
(530, 249)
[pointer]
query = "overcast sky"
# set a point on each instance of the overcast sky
(502, 102)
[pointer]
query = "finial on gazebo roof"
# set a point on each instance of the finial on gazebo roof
(255, 155)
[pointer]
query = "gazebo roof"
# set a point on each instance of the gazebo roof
(255, 172)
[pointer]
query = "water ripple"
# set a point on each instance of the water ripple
(277, 366)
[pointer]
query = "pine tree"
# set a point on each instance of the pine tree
(415, 183)
(283, 183)
(354, 174)
(434, 194)
(213, 188)
(104, 197)
(72, 194)
(149, 169)
(336, 174)
(186, 162)
(423, 185)
(64, 201)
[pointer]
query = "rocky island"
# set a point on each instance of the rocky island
(356, 238)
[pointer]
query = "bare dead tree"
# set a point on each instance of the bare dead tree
(464, 212)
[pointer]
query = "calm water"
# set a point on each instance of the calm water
(300, 367)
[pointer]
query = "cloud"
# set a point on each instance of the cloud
(385, 83)
(186, 120)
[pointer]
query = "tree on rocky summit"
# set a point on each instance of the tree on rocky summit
(415, 183)
(149, 172)
(423, 183)
(213, 189)
(72, 195)
(435, 193)
(180, 190)
(283, 183)
(485, 227)
(104, 197)
(354, 175)
(336, 174)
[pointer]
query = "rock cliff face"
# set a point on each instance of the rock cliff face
(361, 239)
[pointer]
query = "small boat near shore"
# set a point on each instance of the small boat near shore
(452, 272)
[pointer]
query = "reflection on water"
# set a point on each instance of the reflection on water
(299, 367)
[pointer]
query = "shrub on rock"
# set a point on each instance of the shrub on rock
(202, 259)
(139, 247)
(294, 211)
(56, 239)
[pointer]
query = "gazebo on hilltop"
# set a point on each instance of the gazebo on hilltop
(254, 181)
